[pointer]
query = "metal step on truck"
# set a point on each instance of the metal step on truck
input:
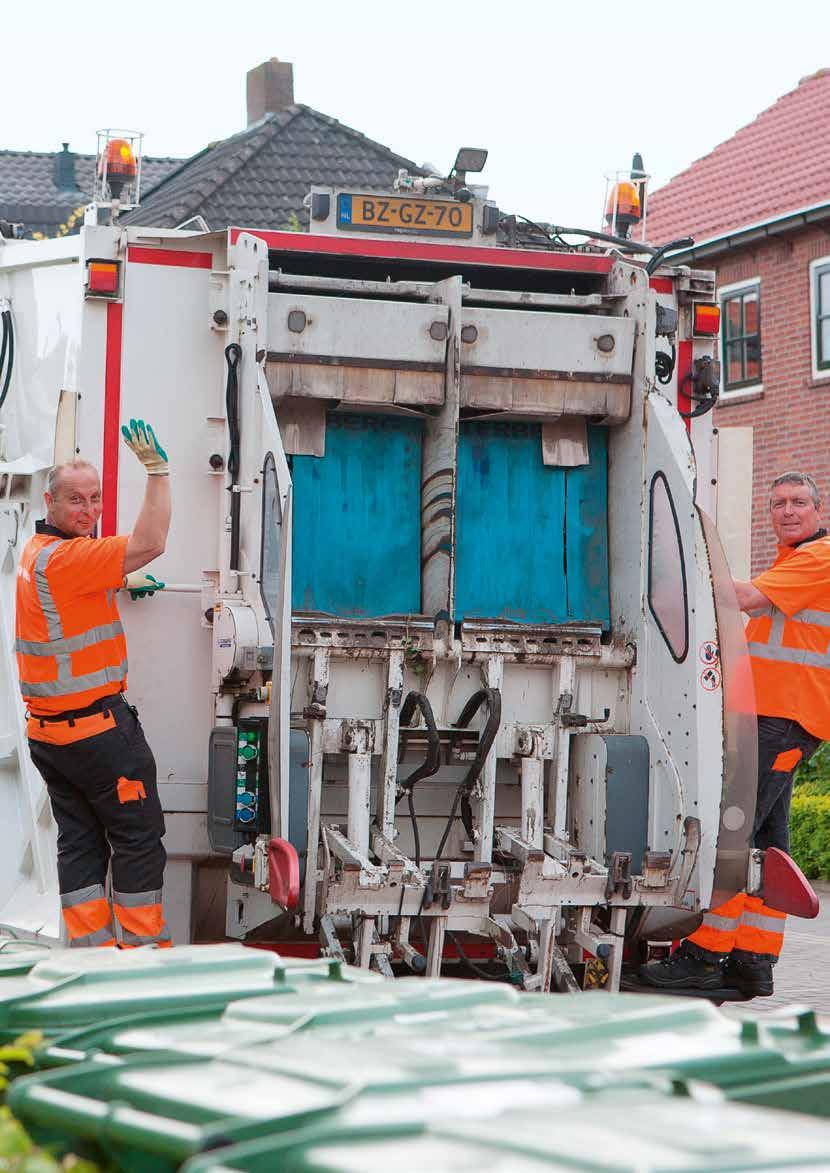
(448, 644)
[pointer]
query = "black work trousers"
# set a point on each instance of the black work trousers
(106, 805)
(776, 737)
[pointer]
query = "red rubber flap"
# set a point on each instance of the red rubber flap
(785, 887)
(283, 873)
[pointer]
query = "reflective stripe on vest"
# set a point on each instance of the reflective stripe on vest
(774, 648)
(61, 647)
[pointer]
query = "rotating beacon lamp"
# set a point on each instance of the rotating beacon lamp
(118, 173)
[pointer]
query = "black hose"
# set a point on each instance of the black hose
(410, 798)
(471, 965)
(7, 348)
(664, 365)
(492, 698)
(430, 764)
(413, 701)
(232, 355)
(659, 254)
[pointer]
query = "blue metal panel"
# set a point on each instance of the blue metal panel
(586, 534)
(532, 542)
(357, 516)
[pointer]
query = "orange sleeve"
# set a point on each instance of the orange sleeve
(797, 582)
(83, 566)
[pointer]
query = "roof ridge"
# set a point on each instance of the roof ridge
(411, 165)
(271, 126)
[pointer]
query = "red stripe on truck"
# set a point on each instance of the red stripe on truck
(169, 256)
(684, 377)
(407, 250)
(112, 419)
(661, 284)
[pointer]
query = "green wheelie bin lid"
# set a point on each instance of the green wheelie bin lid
(150, 1113)
(617, 1133)
(337, 1006)
(82, 987)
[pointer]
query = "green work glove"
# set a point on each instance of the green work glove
(141, 439)
(140, 584)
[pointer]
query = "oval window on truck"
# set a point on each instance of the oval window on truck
(667, 595)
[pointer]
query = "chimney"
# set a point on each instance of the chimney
(270, 87)
(65, 170)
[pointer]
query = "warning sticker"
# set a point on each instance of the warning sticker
(710, 679)
(709, 652)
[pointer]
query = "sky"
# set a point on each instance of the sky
(560, 94)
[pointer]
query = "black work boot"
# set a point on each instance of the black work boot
(689, 968)
(751, 973)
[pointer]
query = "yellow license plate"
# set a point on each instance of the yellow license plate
(400, 214)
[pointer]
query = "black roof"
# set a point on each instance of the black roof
(259, 177)
(29, 193)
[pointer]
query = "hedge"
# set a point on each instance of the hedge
(810, 833)
(810, 815)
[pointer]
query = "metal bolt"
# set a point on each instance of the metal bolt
(606, 343)
(296, 321)
(469, 333)
(438, 331)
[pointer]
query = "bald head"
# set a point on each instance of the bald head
(73, 498)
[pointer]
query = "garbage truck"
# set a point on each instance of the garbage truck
(447, 654)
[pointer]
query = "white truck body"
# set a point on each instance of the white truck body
(465, 382)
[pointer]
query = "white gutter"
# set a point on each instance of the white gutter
(736, 237)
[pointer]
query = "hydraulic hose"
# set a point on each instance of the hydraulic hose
(492, 698)
(430, 764)
(232, 355)
(6, 355)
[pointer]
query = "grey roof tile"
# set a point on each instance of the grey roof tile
(28, 191)
(259, 177)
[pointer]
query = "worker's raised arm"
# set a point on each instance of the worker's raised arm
(749, 597)
(149, 536)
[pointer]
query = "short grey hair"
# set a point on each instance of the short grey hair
(798, 478)
(55, 473)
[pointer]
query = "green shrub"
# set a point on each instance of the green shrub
(810, 832)
(813, 777)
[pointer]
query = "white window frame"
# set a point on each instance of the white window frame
(818, 263)
(751, 389)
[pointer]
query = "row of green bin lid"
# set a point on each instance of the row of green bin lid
(224, 1059)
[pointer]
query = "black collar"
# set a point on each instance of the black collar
(820, 533)
(43, 527)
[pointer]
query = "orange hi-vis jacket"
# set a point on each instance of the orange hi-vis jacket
(789, 645)
(70, 644)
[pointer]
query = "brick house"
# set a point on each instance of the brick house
(758, 208)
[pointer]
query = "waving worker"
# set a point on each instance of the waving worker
(84, 738)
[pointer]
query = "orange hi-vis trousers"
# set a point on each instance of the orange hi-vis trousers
(101, 778)
(744, 924)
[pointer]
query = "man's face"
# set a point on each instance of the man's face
(794, 516)
(76, 504)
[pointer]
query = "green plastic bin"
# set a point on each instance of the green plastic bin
(150, 1113)
(76, 988)
(615, 1133)
(339, 1006)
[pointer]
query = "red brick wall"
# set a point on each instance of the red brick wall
(791, 419)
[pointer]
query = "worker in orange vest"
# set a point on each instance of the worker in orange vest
(84, 738)
(788, 640)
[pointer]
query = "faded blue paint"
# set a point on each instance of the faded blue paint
(357, 518)
(521, 524)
